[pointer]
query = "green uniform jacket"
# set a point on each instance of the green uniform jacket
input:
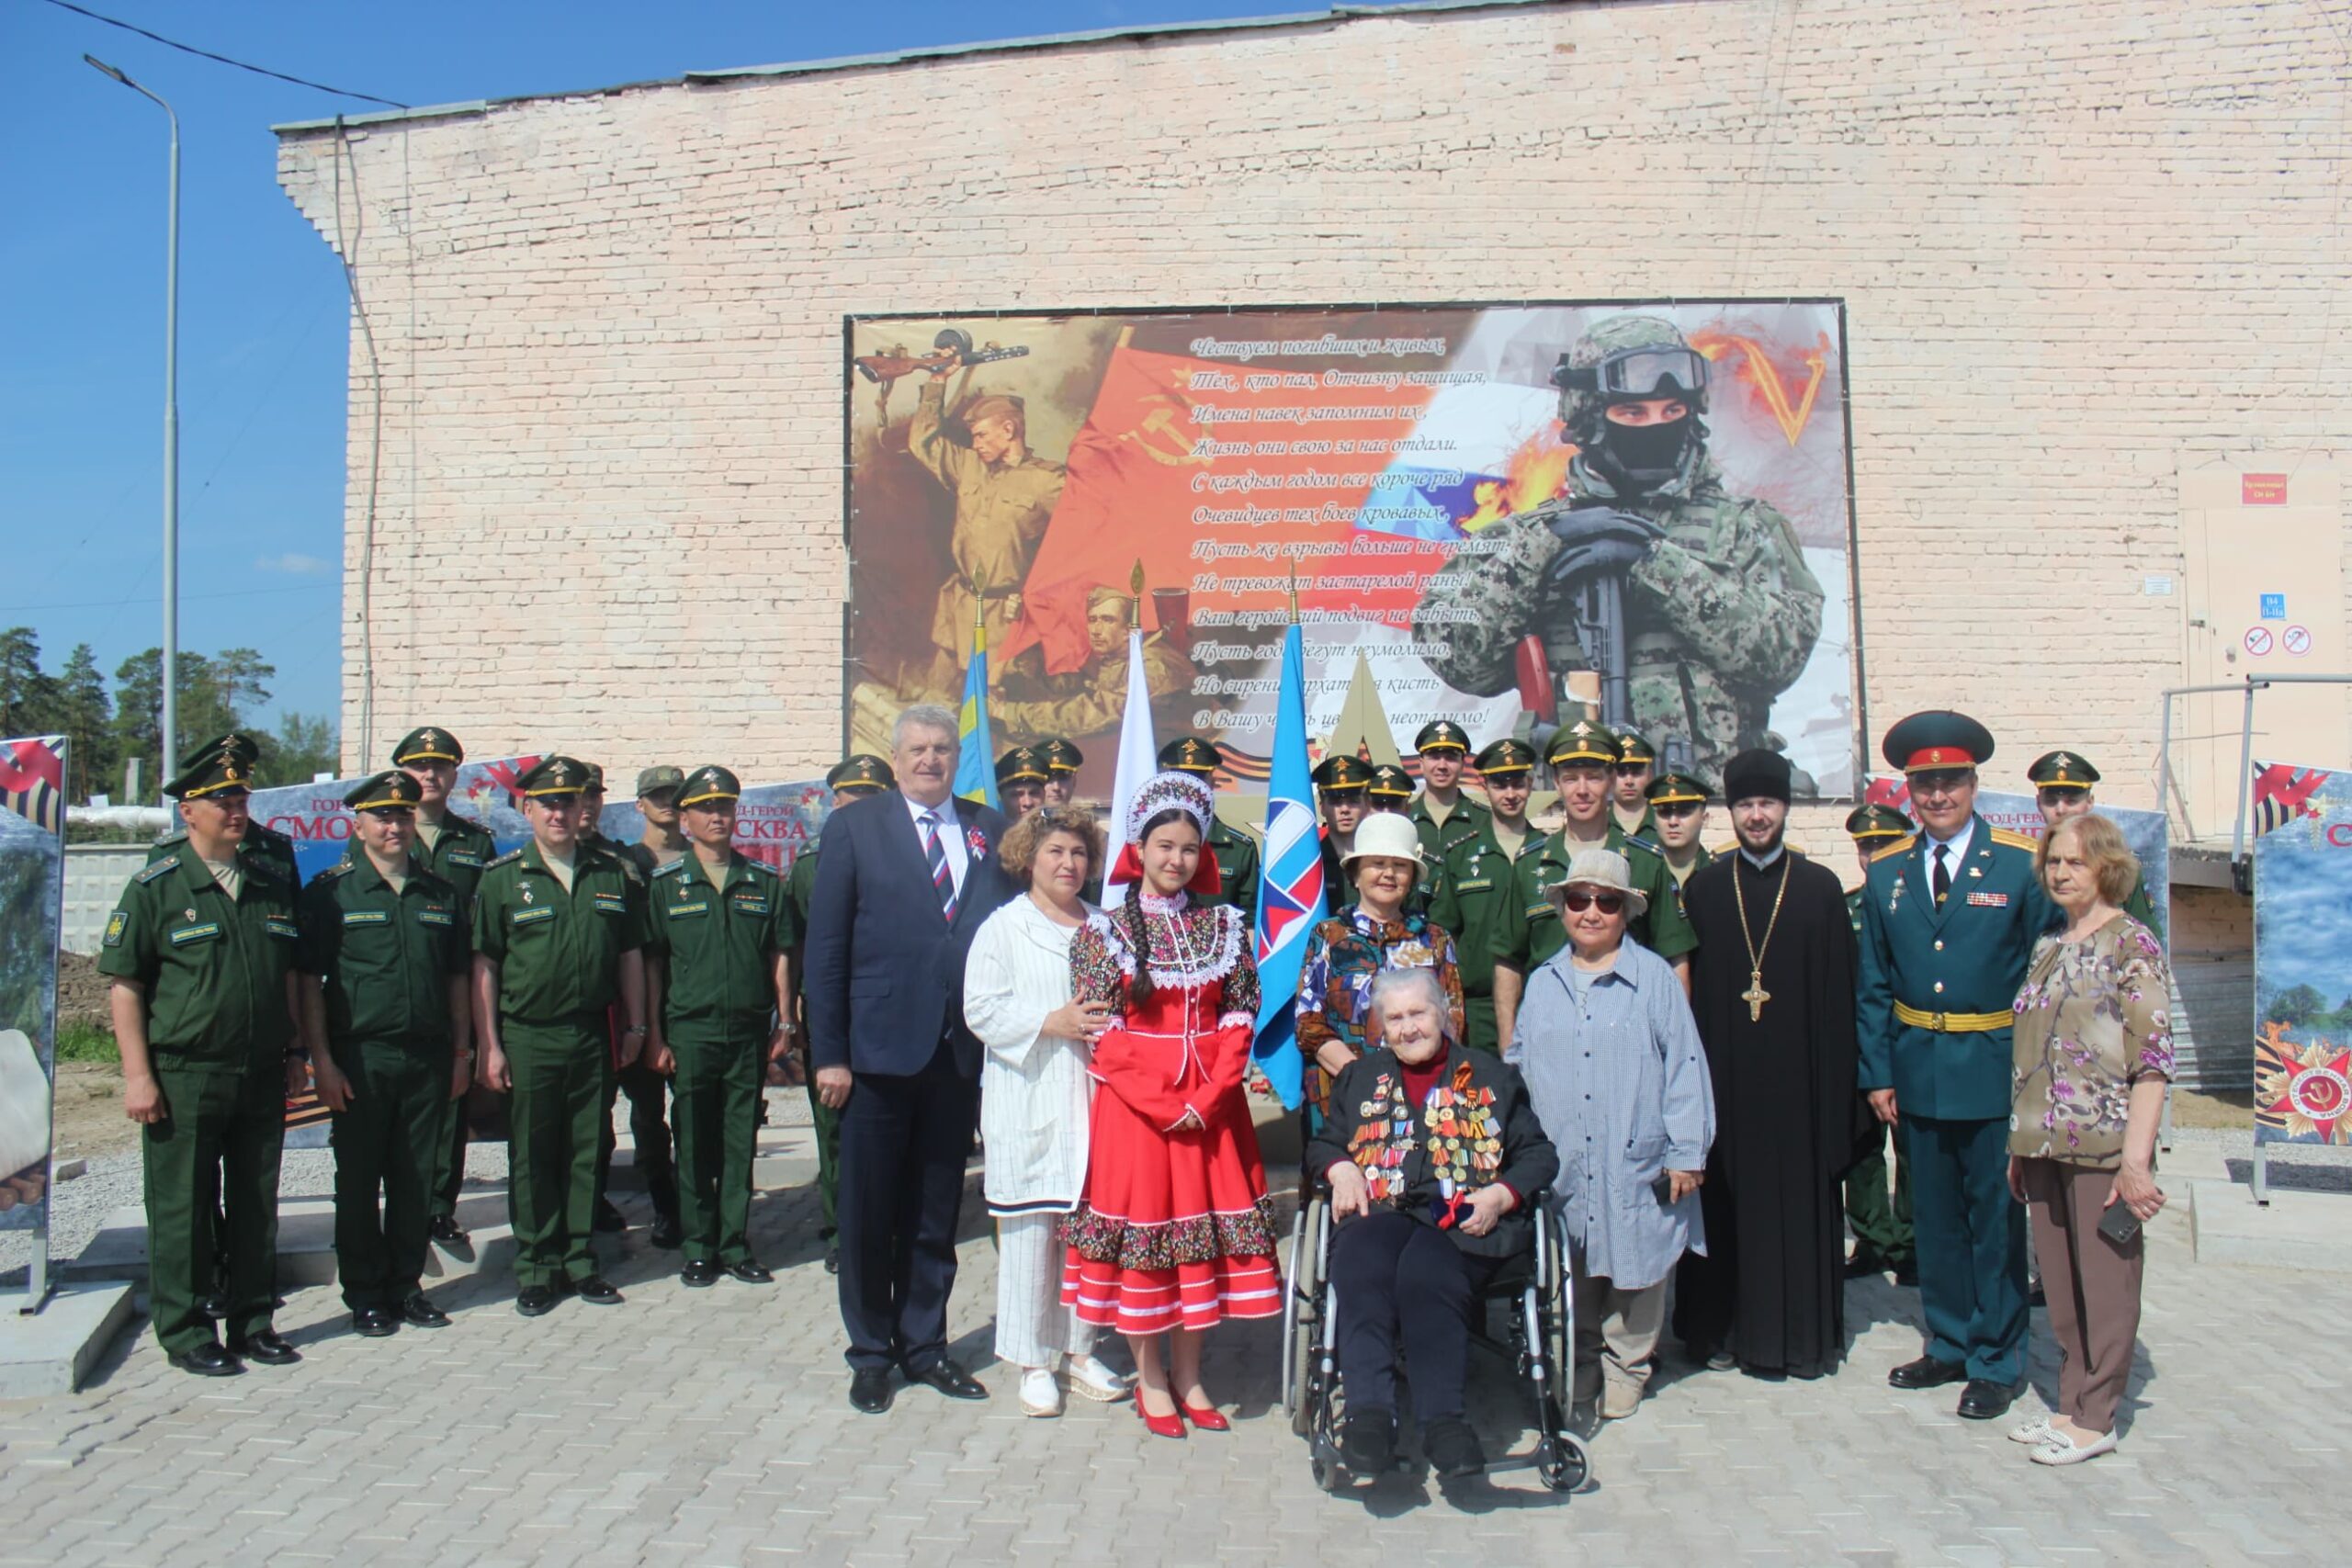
(1464, 823)
(2138, 905)
(1854, 909)
(1472, 890)
(464, 848)
(1530, 931)
(386, 956)
(214, 967)
(1700, 858)
(1970, 956)
(720, 946)
(1237, 868)
(267, 844)
(558, 954)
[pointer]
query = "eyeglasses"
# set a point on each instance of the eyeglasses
(1579, 901)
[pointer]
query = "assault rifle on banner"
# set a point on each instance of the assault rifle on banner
(1580, 625)
(951, 348)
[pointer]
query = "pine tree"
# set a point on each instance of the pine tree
(82, 718)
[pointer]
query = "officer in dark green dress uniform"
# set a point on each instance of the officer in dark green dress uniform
(1677, 805)
(1339, 785)
(853, 778)
(1477, 883)
(1950, 917)
(1020, 781)
(455, 849)
(559, 927)
(1581, 755)
(1882, 1239)
(1443, 814)
(388, 1028)
(261, 842)
(203, 948)
(1062, 762)
(1236, 851)
(1630, 778)
(719, 930)
(2061, 787)
(647, 1091)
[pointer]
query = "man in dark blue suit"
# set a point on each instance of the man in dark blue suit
(904, 878)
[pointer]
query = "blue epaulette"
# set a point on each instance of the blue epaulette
(501, 859)
(158, 869)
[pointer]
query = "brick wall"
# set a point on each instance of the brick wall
(2084, 244)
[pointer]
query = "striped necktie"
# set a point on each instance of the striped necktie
(942, 877)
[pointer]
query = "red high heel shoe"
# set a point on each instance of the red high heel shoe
(1160, 1426)
(1208, 1418)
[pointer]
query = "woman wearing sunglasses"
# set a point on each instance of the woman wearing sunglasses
(1613, 1062)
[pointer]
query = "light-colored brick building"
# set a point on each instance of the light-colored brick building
(2089, 249)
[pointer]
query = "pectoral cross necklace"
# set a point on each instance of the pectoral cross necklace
(1756, 995)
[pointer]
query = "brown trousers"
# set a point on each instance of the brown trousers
(2092, 1285)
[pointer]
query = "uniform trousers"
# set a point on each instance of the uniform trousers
(386, 1144)
(2092, 1286)
(905, 1139)
(1403, 1284)
(560, 1068)
(715, 1103)
(1478, 1024)
(827, 1124)
(221, 1136)
(1617, 1331)
(1032, 1324)
(649, 1132)
(1970, 1237)
(1882, 1227)
(449, 1158)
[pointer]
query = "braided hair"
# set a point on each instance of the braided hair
(1131, 912)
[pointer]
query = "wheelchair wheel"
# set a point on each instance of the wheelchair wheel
(1302, 1313)
(1563, 1463)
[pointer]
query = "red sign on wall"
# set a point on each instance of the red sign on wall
(2262, 490)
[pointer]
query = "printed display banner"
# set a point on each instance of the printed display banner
(2147, 832)
(2302, 931)
(1669, 537)
(32, 892)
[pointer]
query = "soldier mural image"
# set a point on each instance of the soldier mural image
(1694, 606)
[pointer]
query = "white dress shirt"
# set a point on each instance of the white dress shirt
(951, 838)
(1955, 853)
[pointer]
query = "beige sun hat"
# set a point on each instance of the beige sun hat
(1386, 833)
(1604, 868)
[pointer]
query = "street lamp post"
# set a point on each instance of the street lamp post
(165, 764)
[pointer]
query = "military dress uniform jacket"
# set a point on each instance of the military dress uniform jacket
(1236, 867)
(265, 844)
(214, 967)
(386, 956)
(458, 856)
(1530, 931)
(719, 945)
(1468, 897)
(1464, 823)
(558, 954)
(1961, 965)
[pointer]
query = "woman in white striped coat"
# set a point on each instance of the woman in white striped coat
(1035, 1095)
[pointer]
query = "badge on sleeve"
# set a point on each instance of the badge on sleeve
(116, 924)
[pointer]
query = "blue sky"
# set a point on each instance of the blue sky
(263, 320)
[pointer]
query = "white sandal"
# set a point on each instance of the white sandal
(1089, 1379)
(2064, 1449)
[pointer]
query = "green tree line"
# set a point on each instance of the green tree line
(109, 726)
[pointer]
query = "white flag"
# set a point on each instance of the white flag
(1138, 760)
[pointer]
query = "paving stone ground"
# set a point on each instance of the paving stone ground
(711, 1428)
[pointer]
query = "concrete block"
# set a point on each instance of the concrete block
(2295, 1230)
(50, 1351)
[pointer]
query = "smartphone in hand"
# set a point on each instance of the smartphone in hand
(2118, 1223)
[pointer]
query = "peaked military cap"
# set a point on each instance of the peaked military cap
(708, 783)
(2062, 770)
(553, 775)
(1937, 740)
(1189, 754)
(1507, 756)
(1390, 781)
(1633, 749)
(595, 776)
(1339, 771)
(1441, 735)
(1873, 821)
(661, 776)
(236, 744)
(390, 789)
(1675, 789)
(1022, 764)
(1583, 741)
(1061, 757)
(427, 745)
(861, 771)
(218, 772)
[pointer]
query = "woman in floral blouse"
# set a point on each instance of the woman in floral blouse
(2093, 1056)
(1345, 953)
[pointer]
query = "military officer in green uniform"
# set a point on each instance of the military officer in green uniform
(648, 1091)
(391, 1029)
(1063, 759)
(661, 840)
(1629, 784)
(1950, 917)
(1581, 754)
(203, 948)
(1390, 789)
(261, 841)
(1236, 851)
(2061, 787)
(1339, 785)
(1674, 812)
(455, 849)
(853, 778)
(1443, 814)
(1722, 611)
(1883, 1240)
(558, 928)
(1476, 880)
(719, 930)
(1021, 782)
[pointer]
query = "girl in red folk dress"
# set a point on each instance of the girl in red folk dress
(1175, 1233)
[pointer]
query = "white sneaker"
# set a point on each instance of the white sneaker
(1041, 1396)
(2064, 1449)
(2034, 1431)
(1089, 1379)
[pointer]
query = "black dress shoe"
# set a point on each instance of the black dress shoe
(375, 1323)
(752, 1272)
(668, 1234)
(832, 1258)
(268, 1346)
(207, 1360)
(869, 1390)
(1983, 1400)
(596, 1291)
(423, 1312)
(535, 1300)
(1454, 1449)
(1927, 1372)
(608, 1218)
(1907, 1274)
(445, 1230)
(214, 1306)
(700, 1272)
(950, 1379)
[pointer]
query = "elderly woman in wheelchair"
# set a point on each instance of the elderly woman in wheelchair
(1434, 1158)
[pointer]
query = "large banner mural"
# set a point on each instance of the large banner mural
(1641, 506)
(2302, 955)
(32, 888)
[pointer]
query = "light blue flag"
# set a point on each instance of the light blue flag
(976, 764)
(1290, 885)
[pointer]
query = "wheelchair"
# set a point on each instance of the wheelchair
(1540, 1344)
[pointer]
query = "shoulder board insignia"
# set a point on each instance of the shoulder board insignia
(675, 868)
(340, 868)
(2014, 840)
(171, 840)
(1901, 846)
(507, 859)
(757, 867)
(158, 869)
(1722, 849)
(1634, 841)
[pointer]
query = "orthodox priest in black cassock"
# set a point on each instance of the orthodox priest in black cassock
(1773, 986)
